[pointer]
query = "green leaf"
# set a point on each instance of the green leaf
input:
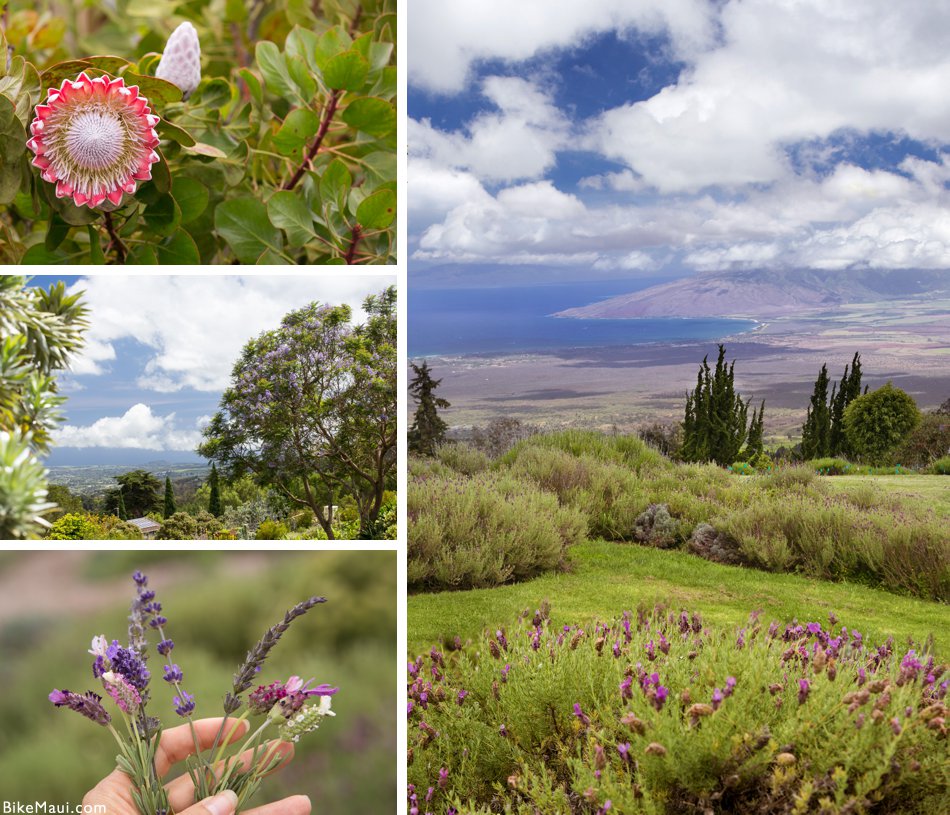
(295, 133)
(156, 90)
(244, 224)
(378, 210)
(335, 183)
(191, 197)
(303, 78)
(178, 250)
(346, 71)
(271, 258)
(377, 54)
(142, 255)
(95, 248)
(371, 115)
(332, 42)
(161, 175)
(109, 64)
(253, 85)
(55, 74)
(289, 212)
(56, 232)
(201, 149)
(40, 255)
(235, 11)
(175, 133)
(274, 69)
(302, 44)
(214, 94)
(380, 166)
(162, 217)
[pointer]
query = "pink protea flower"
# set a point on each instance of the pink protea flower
(94, 139)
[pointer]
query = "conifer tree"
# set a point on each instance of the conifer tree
(428, 428)
(848, 389)
(120, 508)
(754, 443)
(715, 421)
(816, 432)
(214, 499)
(169, 499)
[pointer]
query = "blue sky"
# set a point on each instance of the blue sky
(159, 351)
(625, 138)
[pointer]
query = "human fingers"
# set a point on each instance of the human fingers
(294, 805)
(181, 791)
(178, 743)
(224, 803)
(114, 792)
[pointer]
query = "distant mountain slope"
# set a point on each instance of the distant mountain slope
(760, 294)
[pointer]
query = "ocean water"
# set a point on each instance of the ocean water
(464, 322)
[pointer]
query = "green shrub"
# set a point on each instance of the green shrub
(271, 531)
(463, 458)
(657, 712)
(180, 526)
(74, 526)
(832, 466)
(941, 466)
(878, 422)
(629, 451)
(485, 531)
(742, 468)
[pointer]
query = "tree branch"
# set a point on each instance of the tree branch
(328, 112)
(355, 234)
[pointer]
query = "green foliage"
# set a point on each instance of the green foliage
(285, 153)
(816, 432)
(137, 494)
(927, 442)
(550, 714)
(271, 531)
(463, 458)
(715, 421)
(169, 508)
(40, 330)
(180, 526)
(784, 519)
(941, 466)
(877, 422)
(844, 393)
(64, 499)
(484, 531)
(832, 466)
(428, 428)
(214, 494)
(73, 527)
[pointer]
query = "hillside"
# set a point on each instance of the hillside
(761, 294)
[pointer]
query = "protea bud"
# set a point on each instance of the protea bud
(94, 139)
(181, 61)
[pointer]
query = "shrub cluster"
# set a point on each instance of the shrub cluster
(657, 712)
(783, 520)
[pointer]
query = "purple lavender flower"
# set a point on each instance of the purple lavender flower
(184, 704)
(660, 696)
(804, 688)
(165, 647)
(443, 778)
(89, 704)
(173, 674)
(461, 697)
(140, 578)
(581, 716)
(129, 664)
(717, 697)
(730, 685)
(125, 695)
(624, 750)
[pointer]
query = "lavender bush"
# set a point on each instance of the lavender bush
(657, 712)
(289, 709)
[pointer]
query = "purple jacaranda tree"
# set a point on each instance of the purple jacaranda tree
(311, 409)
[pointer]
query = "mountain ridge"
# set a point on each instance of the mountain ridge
(765, 294)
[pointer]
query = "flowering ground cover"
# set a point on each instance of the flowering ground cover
(657, 710)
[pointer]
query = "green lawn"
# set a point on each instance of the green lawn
(922, 491)
(609, 578)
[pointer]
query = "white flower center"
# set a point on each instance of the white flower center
(95, 139)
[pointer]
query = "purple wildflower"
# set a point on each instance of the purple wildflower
(122, 691)
(89, 704)
(172, 674)
(730, 685)
(804, 688)
(461, 697)
(184, 704)
(129, 664)
(659, 696)
(165, 647)
(624, 749)
(443, 778)
(582, 717)
(717, 697)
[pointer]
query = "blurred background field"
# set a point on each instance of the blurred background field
(218, 605)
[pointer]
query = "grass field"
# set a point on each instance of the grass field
(919, 491)
(608, 578)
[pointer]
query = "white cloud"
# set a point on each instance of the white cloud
(517, 141)
(138, 428)
(446, 38)
(196, 326)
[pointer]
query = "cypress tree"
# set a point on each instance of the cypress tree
(169, 499)
(715, 420)
(120, 508)
(428, 428)
(848, 389)
(754, 443)
(214, 499)
(816, 432)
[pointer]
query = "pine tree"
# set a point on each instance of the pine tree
(816, 432)
(169, 499)
(848, 389)
(715, 420)
(214, 499)
(428, 428)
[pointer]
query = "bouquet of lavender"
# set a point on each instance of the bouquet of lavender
(291, 707)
